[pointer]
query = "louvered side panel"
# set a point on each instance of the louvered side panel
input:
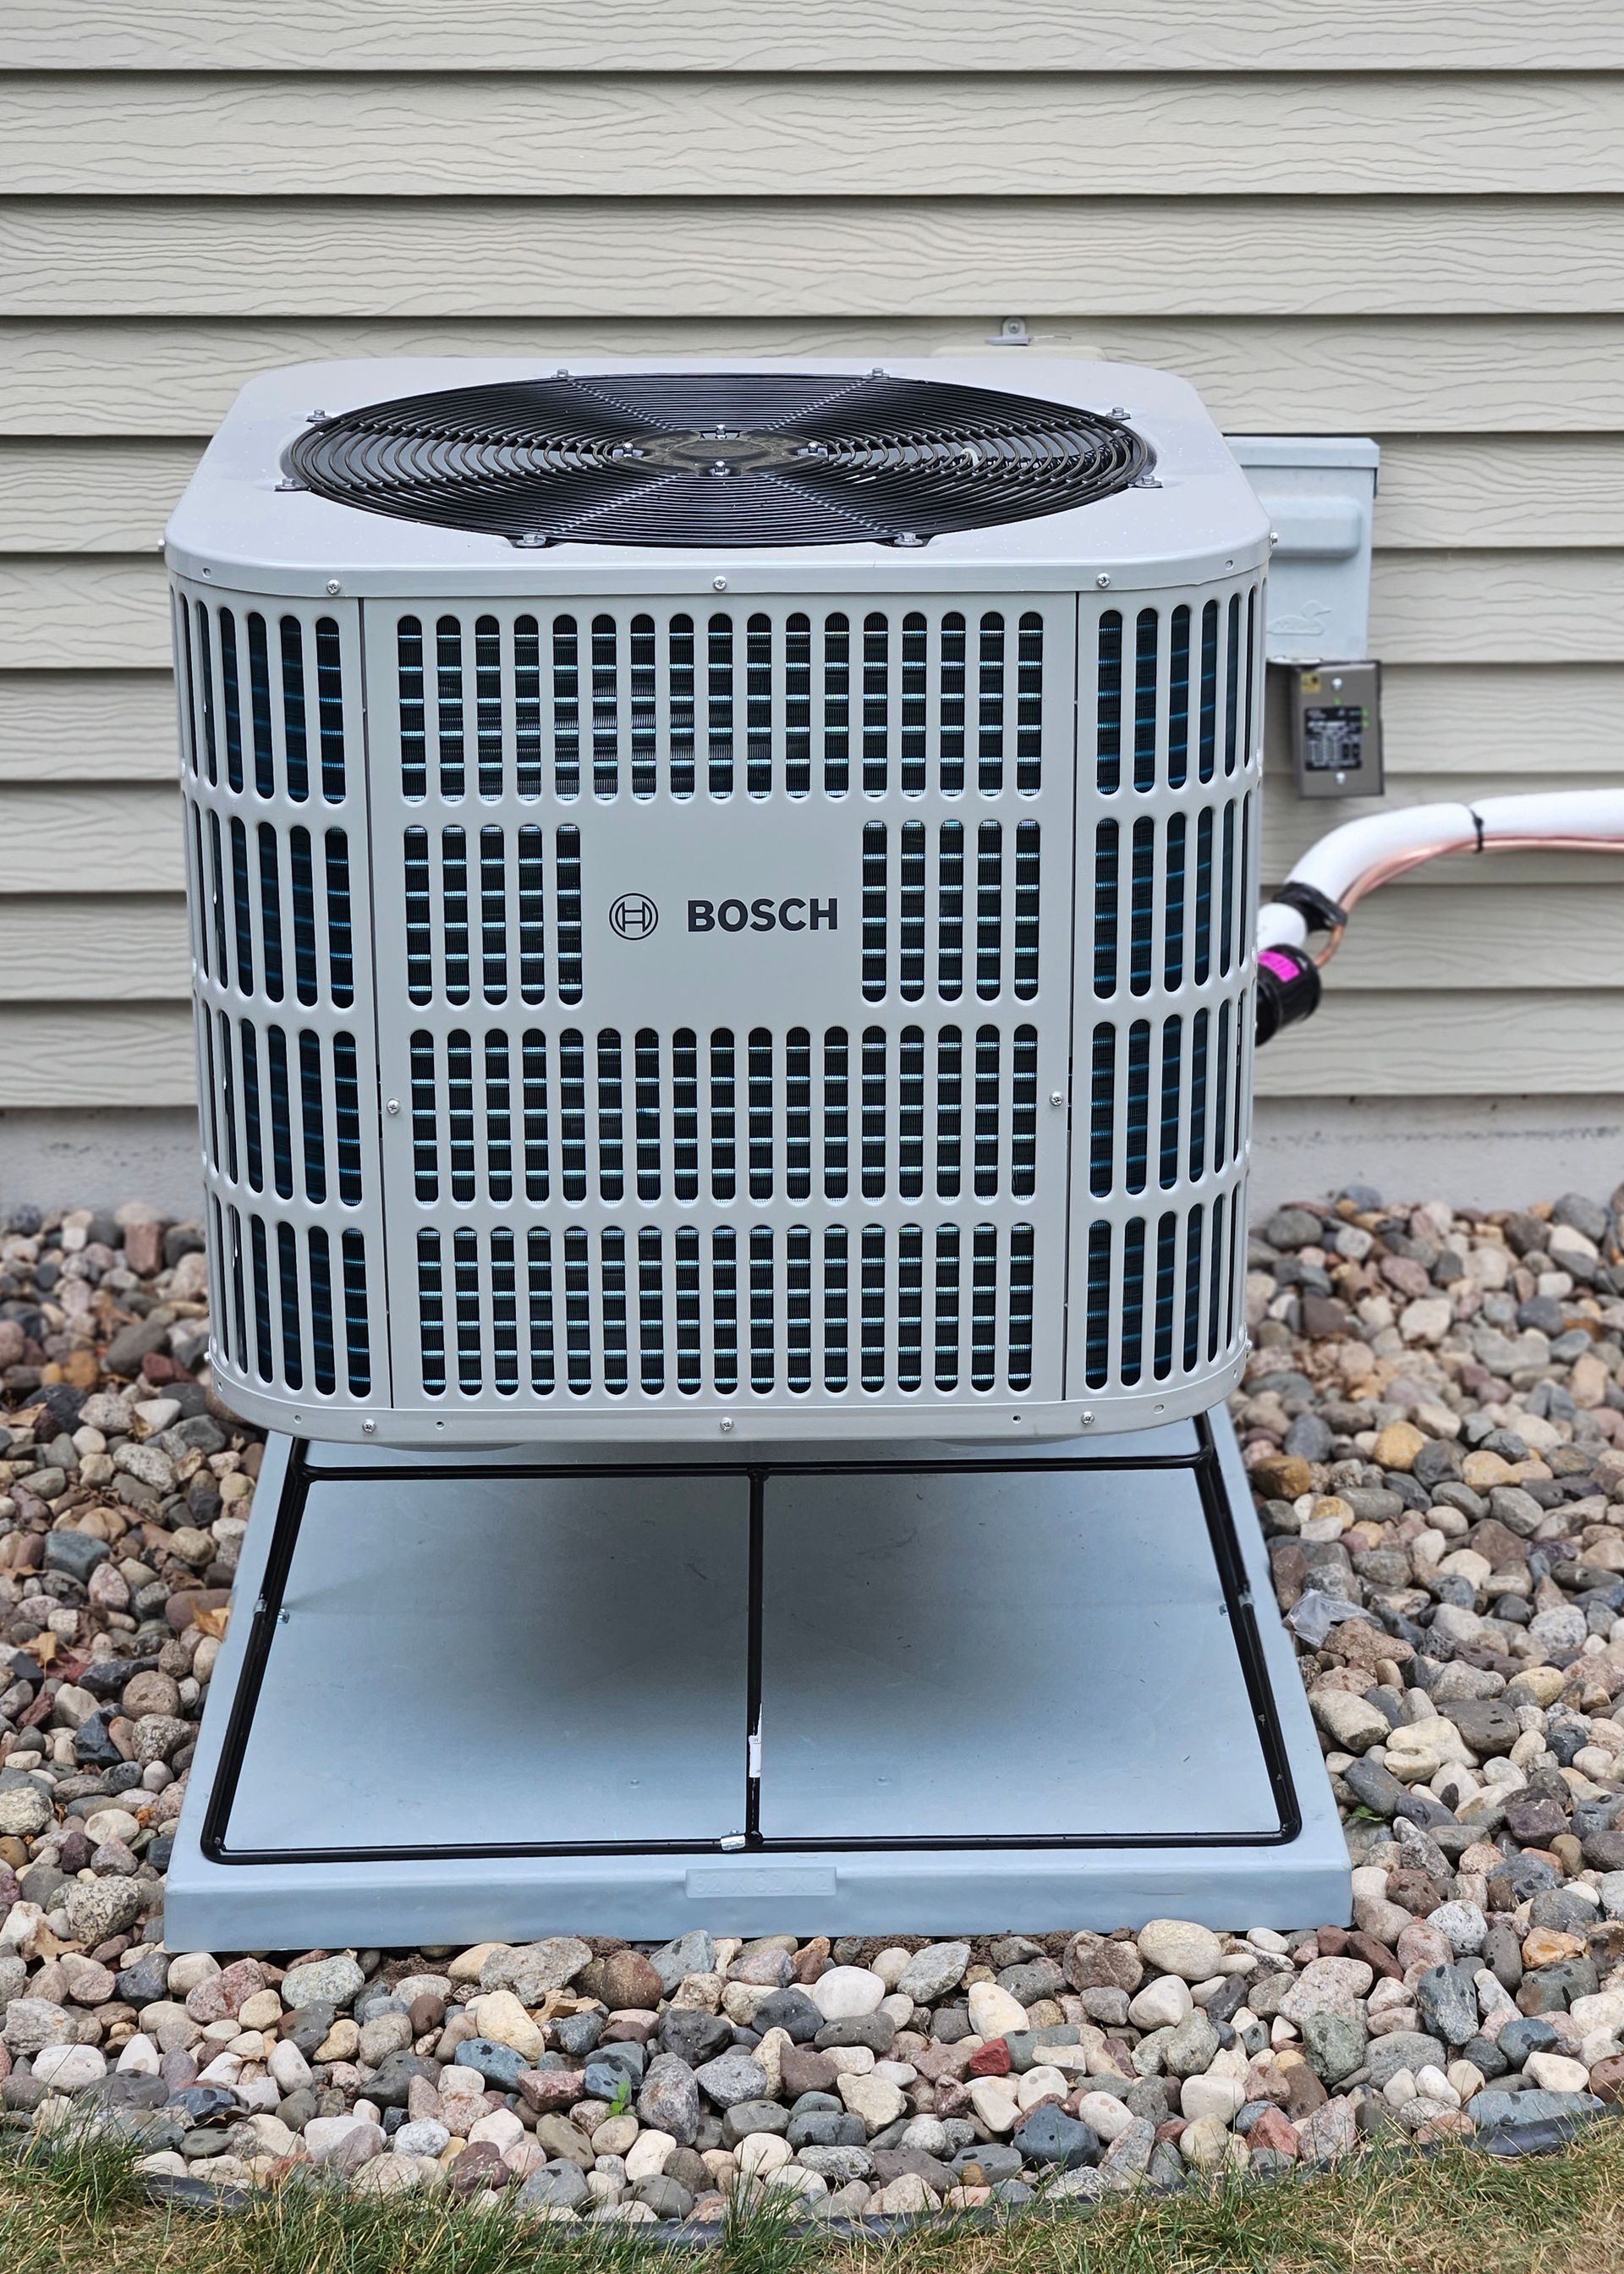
(1170, 759)
(273, 783)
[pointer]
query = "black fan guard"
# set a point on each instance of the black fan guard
(736, 458)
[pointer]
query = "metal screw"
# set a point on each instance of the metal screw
(718, 583)
(283, 487)
(1273, 537)
(1088, 1421)
(726, 1428)
(1119, 410)
(315, 418)
(334, 585)
(282, 1617)
(877, 372)
(560, 374)
(1057, 1098)
(1102, 582)
(369, 1428)
(907, 537)
(393, 1106)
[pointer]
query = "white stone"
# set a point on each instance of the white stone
(891, 1965)
(1398, 2088)
(760, 2153)
(846, 1993)
(1105, 2114)
(139, 2057)
(1162, 2004)
(325, 2136)
(1219, 2097)
(502, 2127)
(994, 2103)
(877, 2102)
(994, 2013)
(850, 2061)
(189, 1967)
(70, 2068)
(1552, 2072)
(1039, 2083)
(288, 2064)
(649, 2155)
(1179, 1947)
(500, 2016)
(1432, 2084)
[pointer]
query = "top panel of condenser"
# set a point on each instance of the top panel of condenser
(244, 523)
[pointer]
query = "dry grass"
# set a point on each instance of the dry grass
(1458, 2212)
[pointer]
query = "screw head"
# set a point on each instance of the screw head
(718, 583)
(369, 1428)
(1088, 1421)
(1057, 1098)
(1103, 582)
(334, 585)
(393, 1106)
(726, 1428)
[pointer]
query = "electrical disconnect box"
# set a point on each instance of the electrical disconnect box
(1336, 719)
(1324, 691)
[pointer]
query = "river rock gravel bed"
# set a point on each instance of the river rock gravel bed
(1433, 1419)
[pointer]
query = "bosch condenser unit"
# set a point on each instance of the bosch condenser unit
(722, 899)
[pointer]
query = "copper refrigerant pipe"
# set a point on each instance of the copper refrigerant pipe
(1335, 875)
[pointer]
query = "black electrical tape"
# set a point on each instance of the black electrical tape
(1289, 990)
(1321, 913)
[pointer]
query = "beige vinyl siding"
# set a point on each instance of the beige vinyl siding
(1305, 208)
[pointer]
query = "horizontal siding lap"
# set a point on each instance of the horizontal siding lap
(841, 257)
(559, 134)
(826, 35)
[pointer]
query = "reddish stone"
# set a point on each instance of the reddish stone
(158, 1366)
(226, 1993)
(811, 1961)
(951, 2100)
(1416, 1891)
(480, 2166)
(548, 2090)
(1607, 2077)
(1333, 1941)
(1303, 2090)
(426, 2012)
(805, 2070)
(144, 1249)
(991, 2059)
(1171, 2130)
(1376, 1955)
(1272, 2129)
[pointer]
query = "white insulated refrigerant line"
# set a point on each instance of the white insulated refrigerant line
(1335, 875)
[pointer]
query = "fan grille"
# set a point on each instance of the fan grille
(750, 458)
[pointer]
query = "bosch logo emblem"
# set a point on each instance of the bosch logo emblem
(634, 916)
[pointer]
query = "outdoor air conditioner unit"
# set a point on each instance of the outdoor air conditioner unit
(722, 899)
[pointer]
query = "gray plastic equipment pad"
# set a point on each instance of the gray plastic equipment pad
(927, 1690)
